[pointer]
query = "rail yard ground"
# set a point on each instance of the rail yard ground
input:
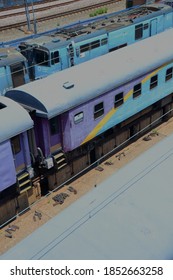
(46, 208)
(15, 33)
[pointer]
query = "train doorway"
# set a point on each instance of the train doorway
(92, 156)
(17, 72)
(153, 27)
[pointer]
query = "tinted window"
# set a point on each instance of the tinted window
(153, 81)
(54, 127)
(84, 48)
(98, 110)
(119, 100)
(15, 143)
(136, 90)
(169, 73)
(138, 31)
(41, 57)
(95, 44)
(55, 57)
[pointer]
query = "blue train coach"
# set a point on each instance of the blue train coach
(84, 112)
(72, 46)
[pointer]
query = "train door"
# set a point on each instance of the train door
(153, 27)
(92, 156)
(71, 54)
(17, 74)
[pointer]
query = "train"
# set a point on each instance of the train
(13, 3)
(78, 116)
(71, 46)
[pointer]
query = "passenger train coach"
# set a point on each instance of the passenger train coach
(84, 112)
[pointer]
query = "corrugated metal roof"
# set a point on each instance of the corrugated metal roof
(128, 216)
(97, 76)
(14, 119)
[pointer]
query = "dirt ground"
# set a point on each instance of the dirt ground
(43, 26)
(28, 222)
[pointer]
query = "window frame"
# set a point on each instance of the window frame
(98, 112)
(138, 31)
(80, 119)
(54, 126)
(154, 83)
(137, 90)
(169, 76)
(118, 99)
(55, 59)
(16, 144)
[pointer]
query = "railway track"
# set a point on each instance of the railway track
(20, 22)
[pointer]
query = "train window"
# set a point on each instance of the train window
(117, 47)
(98, 110)
(137, 89)
(84, 48)
(95, 44)
(153, 81)
(15, 143)
(119, 100)
(78, 117)
(169, 74)
(55, 57)
(41, 57)
(138, 31)
(104, 41)
(54, 127)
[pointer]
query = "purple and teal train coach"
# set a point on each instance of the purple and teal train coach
(84, 112)
(15, 157)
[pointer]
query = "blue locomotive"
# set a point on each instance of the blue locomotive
(71, 46)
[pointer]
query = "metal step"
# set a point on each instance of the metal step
(60, 160)
(24, 181)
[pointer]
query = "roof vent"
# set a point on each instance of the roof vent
(55, 40)
(68, 85)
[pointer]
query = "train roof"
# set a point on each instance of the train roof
(113, 21)
(125, 217)
(10, 56)
(13, 119)
(67, 89)
(51, 43)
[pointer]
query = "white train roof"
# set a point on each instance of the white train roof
(126, 217)
(69, 88)
(13, 119)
